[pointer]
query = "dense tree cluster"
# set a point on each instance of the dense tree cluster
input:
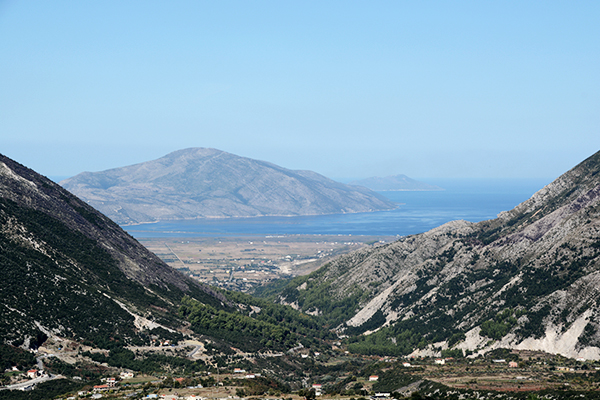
(45, 390)
(240, 330)
(273, 313)
(121, 357)
(502, 323)
(15, 357)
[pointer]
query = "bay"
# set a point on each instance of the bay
(471, 200)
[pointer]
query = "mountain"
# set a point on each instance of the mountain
(68, 270)
(394, 183)
(529, 279)
(205, 183)
(72, 278)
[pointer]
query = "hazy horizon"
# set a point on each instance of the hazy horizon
(442, 181)
(347, 89)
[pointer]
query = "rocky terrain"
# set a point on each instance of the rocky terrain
(529, 279)
(208, 183)
(68, 270)
(394, 183)
(70, 273)
(93, 302)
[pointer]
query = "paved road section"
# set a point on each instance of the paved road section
(28, 385)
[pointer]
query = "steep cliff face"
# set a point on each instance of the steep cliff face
(200, 183)
(527, 279)
(69, 270)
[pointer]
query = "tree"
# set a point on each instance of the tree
(309, 394)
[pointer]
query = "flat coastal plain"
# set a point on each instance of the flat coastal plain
(241, 263)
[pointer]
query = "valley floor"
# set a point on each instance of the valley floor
(291, 375)
(243, 262)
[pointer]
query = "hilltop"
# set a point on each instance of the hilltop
(209, 183)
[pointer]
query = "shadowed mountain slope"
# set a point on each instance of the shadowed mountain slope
(529, 279)
(70, 271)
(200, 183)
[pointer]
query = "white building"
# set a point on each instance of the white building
(33, 373)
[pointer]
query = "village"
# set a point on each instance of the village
(502, 371)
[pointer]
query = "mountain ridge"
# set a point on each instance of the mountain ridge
(72, 274)
(68, 268)
(209, 183)
(528, 279)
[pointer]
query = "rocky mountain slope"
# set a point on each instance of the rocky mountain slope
(200, 183)
(529, 279)
(68, 270)
(394, 183)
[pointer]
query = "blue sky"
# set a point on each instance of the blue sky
(431, 89)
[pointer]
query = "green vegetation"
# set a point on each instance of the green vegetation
(308, 326)
(45, 390)
(393, 379)
(505, 354)
(390, 341)
(589, 337)
(149, 363)
(60, 292)
(15, 357)
(279, 330)
(84, 371)
(262, 385)
(456, 338)
(498, 327)
(453, 353)
(317, 297)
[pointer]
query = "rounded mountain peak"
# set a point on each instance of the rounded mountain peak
(205, 182)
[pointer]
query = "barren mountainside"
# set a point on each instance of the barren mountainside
(201, 183)
(529, 279)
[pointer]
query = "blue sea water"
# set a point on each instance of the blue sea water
(471, 200)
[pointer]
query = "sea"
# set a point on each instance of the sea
(418, 211)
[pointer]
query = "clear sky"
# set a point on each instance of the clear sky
(348, 89)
